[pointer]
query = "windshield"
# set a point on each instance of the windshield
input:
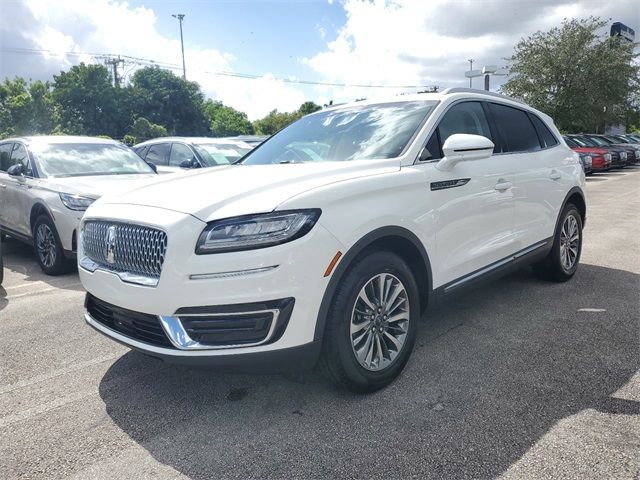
(586, 142)
(353, 133)
(571, 143)
(220, 153)
(599, 141)
(84, 159)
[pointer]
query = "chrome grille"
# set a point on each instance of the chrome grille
(123, 247)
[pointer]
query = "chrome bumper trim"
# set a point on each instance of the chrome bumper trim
(145, 347)
(90, 266)
(181, 339)
(235, 273)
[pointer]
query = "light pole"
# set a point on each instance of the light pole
(471, 60)
(180, 17)
(486, 72)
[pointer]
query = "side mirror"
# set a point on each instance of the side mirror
(153, 166)
(15, 170)
(193, 163)
(462, 147)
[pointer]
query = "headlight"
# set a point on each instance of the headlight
(249, 232)
(623, 155)
(588, 161)
(607, 157)
(76, 202)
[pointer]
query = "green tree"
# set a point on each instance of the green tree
(226, 121)
(87, 101)
(308, 107)
(576, 73)
(274, 121)
(26, 108)
(166, 99)
(142, 130)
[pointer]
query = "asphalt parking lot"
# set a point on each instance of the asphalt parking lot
(519, 378)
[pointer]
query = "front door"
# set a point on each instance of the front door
(472, 204)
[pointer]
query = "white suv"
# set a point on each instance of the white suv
(46, 184)
(330, 239)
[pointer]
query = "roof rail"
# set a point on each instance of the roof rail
(481, 92)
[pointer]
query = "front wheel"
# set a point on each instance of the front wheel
(562, 262)
(372, 323)
(48, 247)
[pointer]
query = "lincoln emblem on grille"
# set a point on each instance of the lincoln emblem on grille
(111, 245)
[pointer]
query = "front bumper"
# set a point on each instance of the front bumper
(190, 281)
(292, 359)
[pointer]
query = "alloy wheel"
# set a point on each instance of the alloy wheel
(569, 242)
(46, 245)
(380, 322)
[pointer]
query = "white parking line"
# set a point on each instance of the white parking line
(44, 290)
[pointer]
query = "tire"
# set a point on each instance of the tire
(560, 266)
(48, 248)
(339, 359)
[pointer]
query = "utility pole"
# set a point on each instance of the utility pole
(180, 17)
(113, 63)
(471, 60)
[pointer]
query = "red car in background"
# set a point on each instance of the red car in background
(600, 158)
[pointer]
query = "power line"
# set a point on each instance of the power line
(173, 66)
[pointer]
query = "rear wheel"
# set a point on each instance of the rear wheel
(562, 262)
(48, 247)
(372, 324)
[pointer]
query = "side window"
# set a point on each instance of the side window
(516, 130)
(5, 156)
(548, 139)
(158, 154)
(466, 117)
(141, 151)
(20, 155)
(179, 153)
(433, 150)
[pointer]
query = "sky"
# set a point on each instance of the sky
(369, 48)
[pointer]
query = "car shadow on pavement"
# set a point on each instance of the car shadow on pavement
(491, 373)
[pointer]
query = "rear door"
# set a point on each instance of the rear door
(536, 157)
(472, 203)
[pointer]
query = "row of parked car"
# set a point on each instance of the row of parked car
(601, 153)
(47, 182)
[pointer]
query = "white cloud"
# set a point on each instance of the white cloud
(415, 42)
(103, 26)
(383, 42)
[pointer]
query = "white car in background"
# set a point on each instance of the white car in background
(330, 240)
(47, 182)
(175, 154)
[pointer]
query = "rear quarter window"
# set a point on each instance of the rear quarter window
(547, 138)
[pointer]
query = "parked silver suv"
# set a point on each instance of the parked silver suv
(175, 154)
(46, 184)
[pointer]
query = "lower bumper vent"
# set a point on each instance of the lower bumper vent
(138, 326)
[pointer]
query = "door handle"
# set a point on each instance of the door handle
(2, 185)
(555, 175)
(503, 185)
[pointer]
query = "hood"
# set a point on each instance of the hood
(98, 185)
(208, 194)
